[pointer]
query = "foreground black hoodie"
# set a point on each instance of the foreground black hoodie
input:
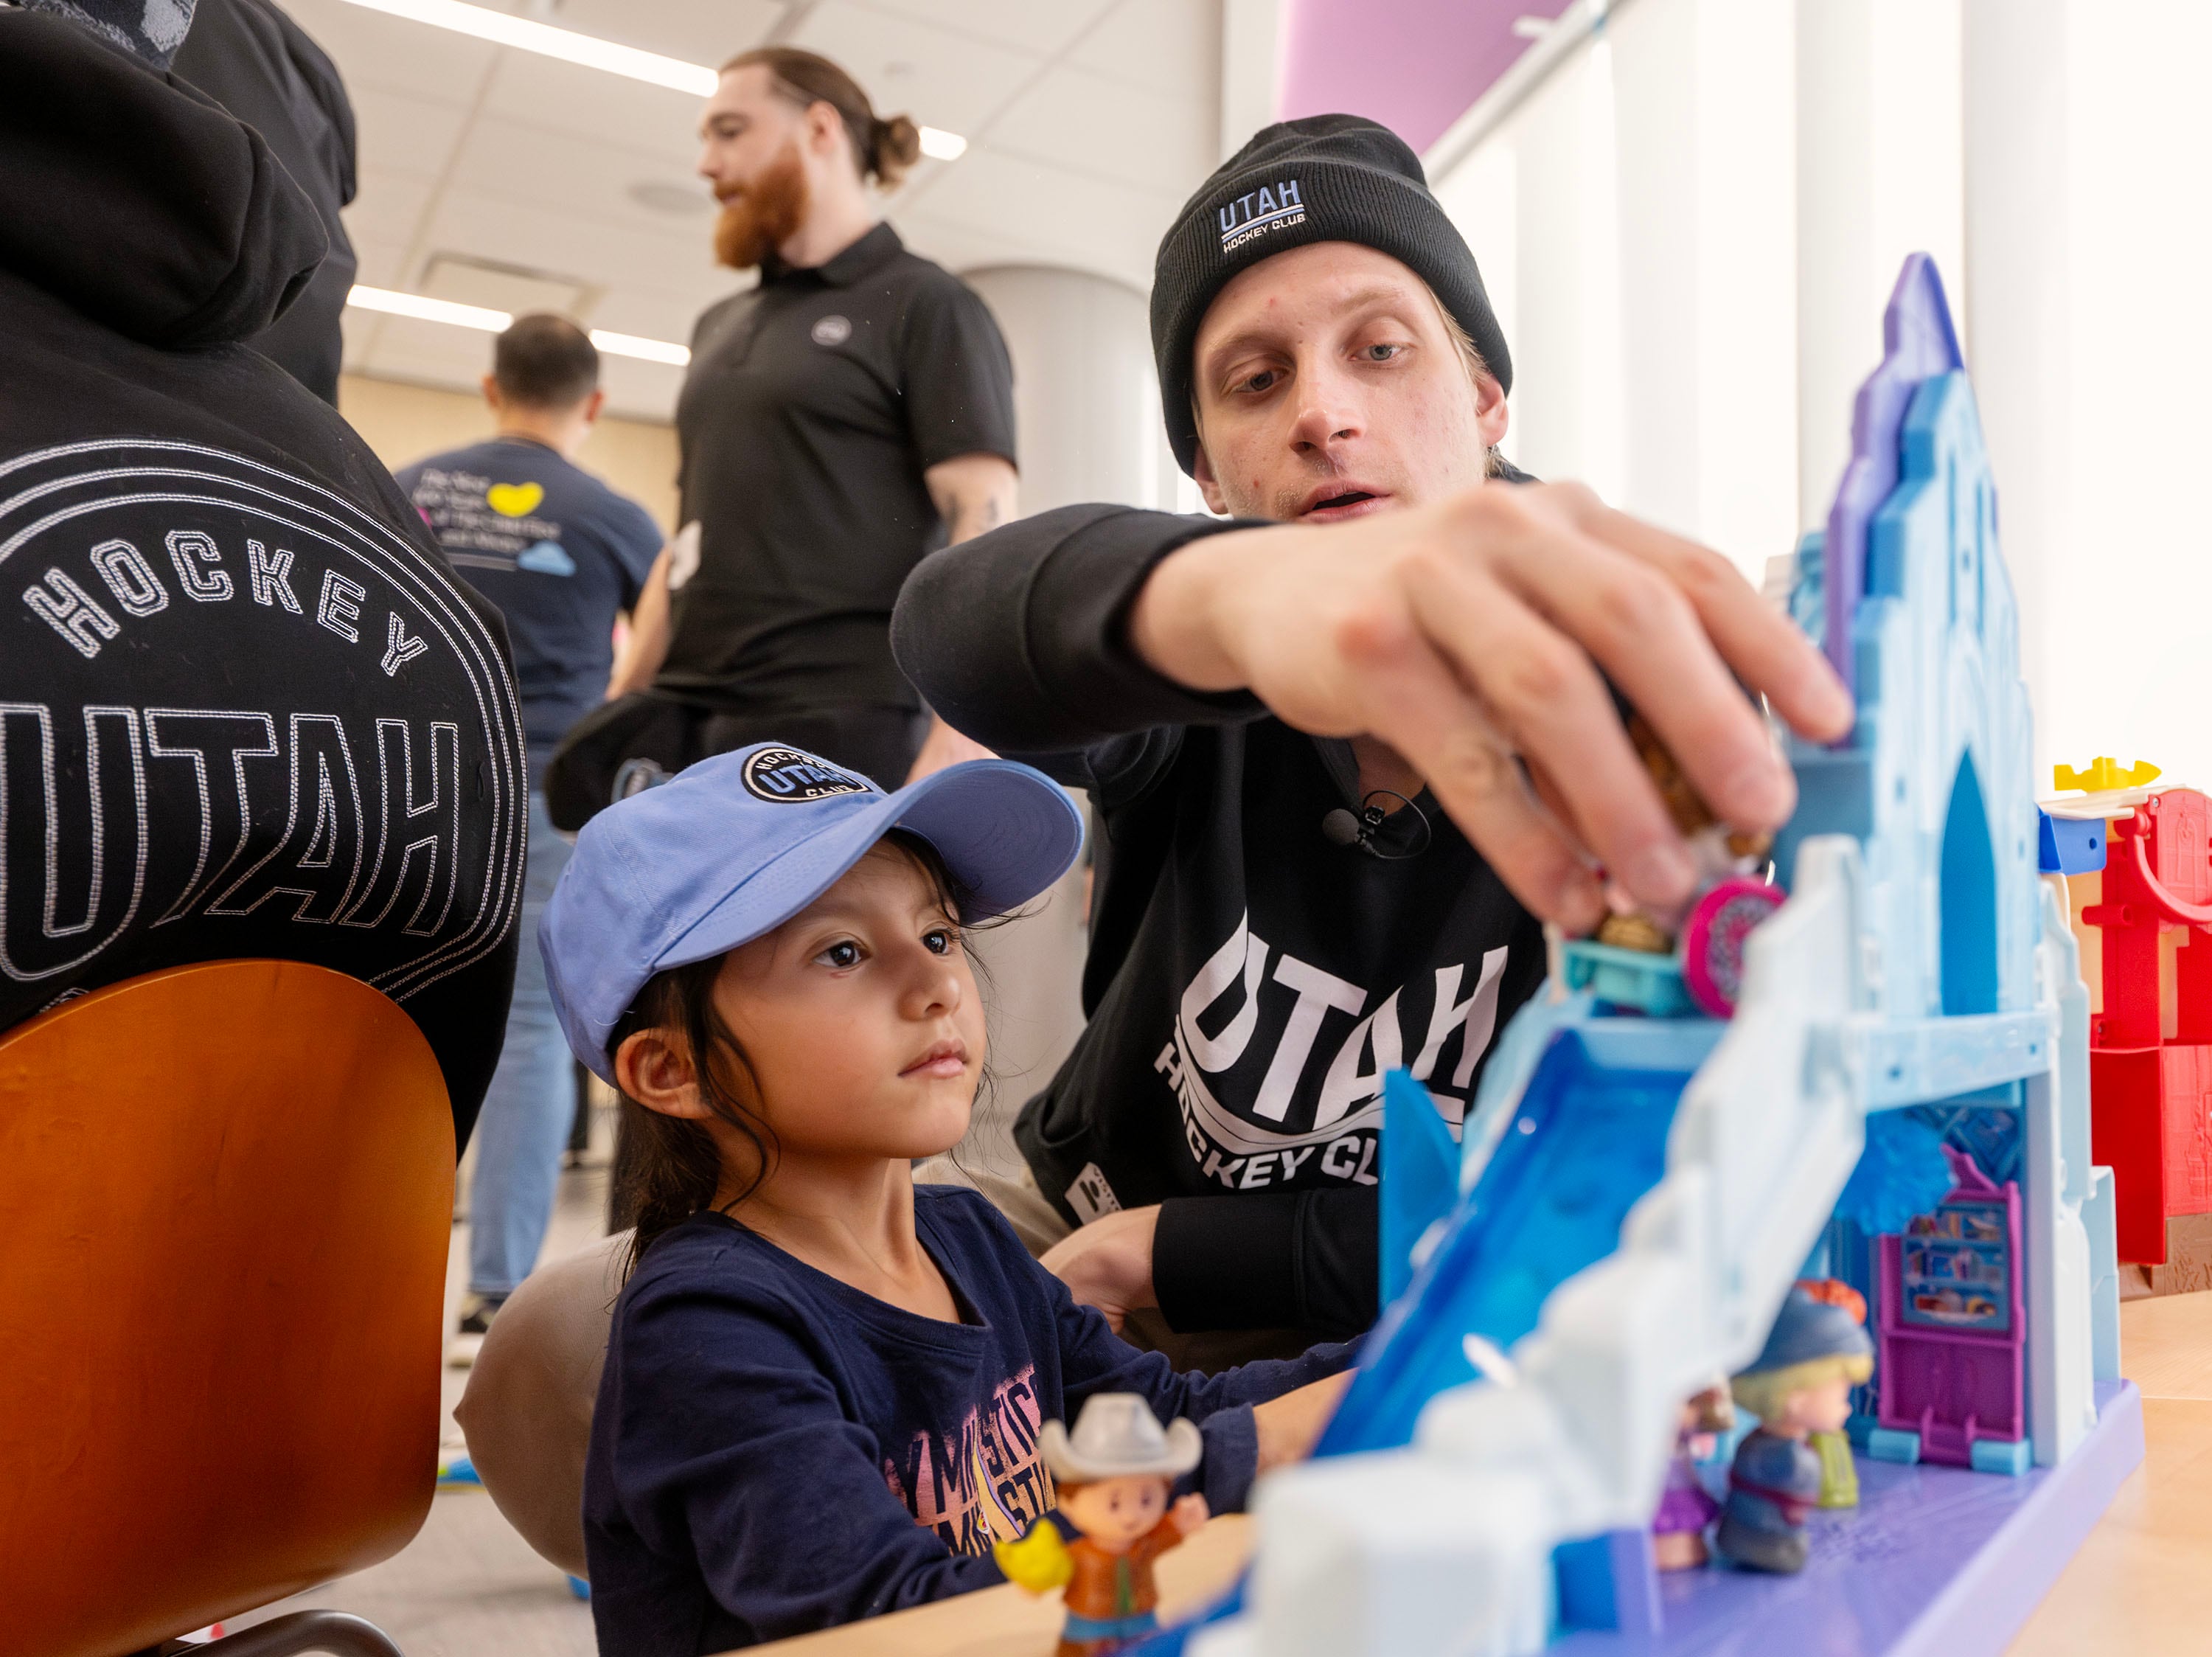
(246, 708)
(1249, 981)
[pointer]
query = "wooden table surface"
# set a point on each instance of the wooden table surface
(2141, 1584)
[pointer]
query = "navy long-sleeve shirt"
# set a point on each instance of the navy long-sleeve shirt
(775, 1452)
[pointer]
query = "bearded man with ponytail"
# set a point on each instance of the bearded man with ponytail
(847, 416)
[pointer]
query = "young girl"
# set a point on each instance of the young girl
(825, 1386)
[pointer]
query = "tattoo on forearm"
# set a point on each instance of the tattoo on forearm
(972, 520)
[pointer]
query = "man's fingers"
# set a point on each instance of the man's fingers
(1551, 703)
(1765, 648)
(1634, 619)
(1423, 710)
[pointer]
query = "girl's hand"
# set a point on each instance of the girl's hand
(1290, 1426)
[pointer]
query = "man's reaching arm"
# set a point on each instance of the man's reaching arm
(1018, 639)
(1484, 627)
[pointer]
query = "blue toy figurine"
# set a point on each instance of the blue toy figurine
(1799, 1385)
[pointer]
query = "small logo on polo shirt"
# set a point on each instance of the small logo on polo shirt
(1271, 207)
(832, 330)
(790, 776)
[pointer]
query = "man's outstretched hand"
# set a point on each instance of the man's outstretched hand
(1465, 631)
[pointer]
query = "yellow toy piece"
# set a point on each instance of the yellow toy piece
(1040, 1561)
(1840, 1479)
(2104, 774)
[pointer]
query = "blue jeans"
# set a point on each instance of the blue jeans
(532, 1102)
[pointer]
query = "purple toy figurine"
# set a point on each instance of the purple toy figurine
(1678, 1530)
(1799, 1385)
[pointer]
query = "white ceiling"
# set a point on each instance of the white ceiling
(1088, 123)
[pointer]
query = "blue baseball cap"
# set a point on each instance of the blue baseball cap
(734, 846)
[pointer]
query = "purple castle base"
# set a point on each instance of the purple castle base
(1935, 1561)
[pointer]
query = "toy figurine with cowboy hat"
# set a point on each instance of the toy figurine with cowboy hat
(1799, 1385)
(1114, 1474)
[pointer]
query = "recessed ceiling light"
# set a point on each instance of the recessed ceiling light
(523, 35)
(662, 197)
(487, 320)
(1532, 27)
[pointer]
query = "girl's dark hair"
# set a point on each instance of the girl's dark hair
(668, 1168)
(885, 148)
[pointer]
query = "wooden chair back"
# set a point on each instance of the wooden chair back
(226, 1197)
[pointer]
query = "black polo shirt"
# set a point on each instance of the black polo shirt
(813, 405)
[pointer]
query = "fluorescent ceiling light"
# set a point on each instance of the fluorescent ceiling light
(427, 310)
(526, 35)
(567, 45)
(490, 321)
(630, 345)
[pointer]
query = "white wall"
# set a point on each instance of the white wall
(2121, 622)
(1689, 227)
(1633, 218)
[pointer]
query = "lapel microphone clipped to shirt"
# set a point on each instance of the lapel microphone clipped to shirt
(1343, 827)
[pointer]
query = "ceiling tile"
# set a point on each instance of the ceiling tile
(1023, 25)
(534, 237)
(401, 348)
(380, 264)
(401, 134)
(1172, 46)
(654, 316)
(388, 208)
(641, 390)
(1090, 222)
(589, 103)
(940, 78)
(514, 162)
(709, 32)
(1095, 125)
(374, 49)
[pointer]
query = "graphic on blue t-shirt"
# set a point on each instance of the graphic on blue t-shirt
(510, 513)
(985, 1481)
(547, 558)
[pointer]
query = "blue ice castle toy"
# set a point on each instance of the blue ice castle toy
(1634, 1195)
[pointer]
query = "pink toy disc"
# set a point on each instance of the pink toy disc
(1712, 941)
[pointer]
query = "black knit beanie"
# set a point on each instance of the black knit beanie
(1325, 178)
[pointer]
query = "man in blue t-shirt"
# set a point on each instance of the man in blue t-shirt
(562, 555)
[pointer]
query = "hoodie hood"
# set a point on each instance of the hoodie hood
(131, 197)
(151, 29)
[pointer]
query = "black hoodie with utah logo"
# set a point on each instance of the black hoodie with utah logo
(1251, 980)
(245, 708)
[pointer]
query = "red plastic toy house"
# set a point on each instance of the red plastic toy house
(2150, 1047)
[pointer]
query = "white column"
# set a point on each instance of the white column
(1878, 177)
(1251, 68)
(2018, 295)
(1087, 422)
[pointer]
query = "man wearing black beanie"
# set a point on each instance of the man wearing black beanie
(1306, 729)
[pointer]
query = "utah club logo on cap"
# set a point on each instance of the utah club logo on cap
(1271, 207)
(787, 775)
